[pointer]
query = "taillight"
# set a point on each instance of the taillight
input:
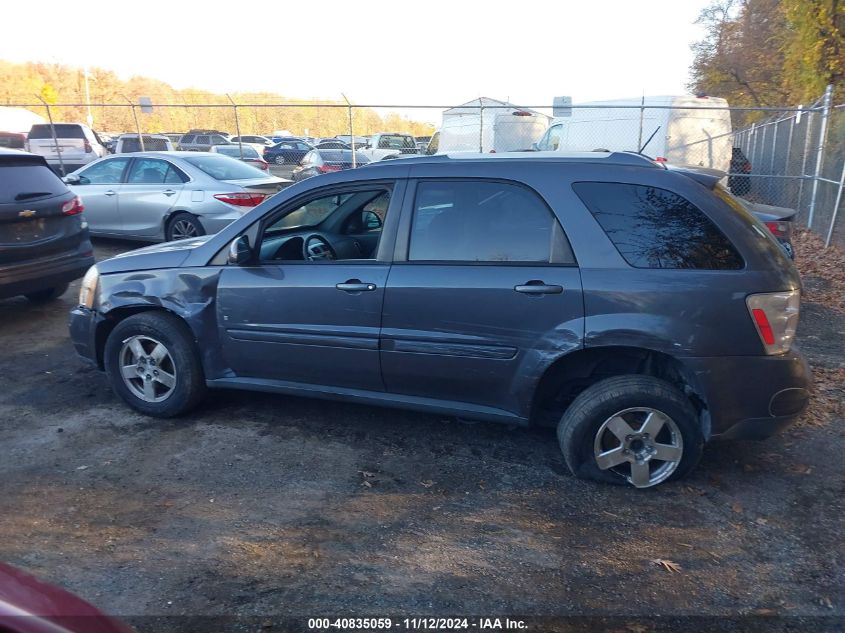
(660, 159)
(73, 207)
(87, 147)
(323, 169)
(775, 315)
(746, 168)
(779, 228)
(241, 199)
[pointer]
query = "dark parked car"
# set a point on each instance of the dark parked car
(324, 161)
(738, 184)
(290, 152)
(641, 309)
(29, 605)
(332, 145)
(44, 241)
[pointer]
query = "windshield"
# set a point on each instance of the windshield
(224, 168)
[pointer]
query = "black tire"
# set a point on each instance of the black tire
(175, 335)
(48, 294)
(176, 220)
(280, 159)
(581, 422)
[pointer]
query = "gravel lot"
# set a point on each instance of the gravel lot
(260, 504)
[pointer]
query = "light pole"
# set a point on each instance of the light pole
(88, 99)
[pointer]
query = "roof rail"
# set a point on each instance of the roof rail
(609, 158)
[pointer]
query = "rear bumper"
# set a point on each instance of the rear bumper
(41, 274)
(216, 223)
(752, 397)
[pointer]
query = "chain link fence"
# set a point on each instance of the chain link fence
(791, 157)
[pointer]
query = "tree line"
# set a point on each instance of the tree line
(770, 52)
(58, 84)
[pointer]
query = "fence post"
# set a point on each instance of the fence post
(820, 154)
(836, 206)
(237, 125)
(810, 118)
(137, 124)
(53, 132)
(351, 134)
(480, 126)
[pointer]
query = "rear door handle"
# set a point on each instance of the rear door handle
(109, 193)
(168, 192)
(538, 288)
(354, 285)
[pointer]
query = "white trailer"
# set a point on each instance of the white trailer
(686, 130)
(488, 125)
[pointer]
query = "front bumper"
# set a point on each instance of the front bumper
(752, 397)
(82, 324)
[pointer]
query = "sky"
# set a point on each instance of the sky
(425, 52)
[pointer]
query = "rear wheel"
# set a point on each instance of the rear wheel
(48, 294)
(183, 226)
(631, 429)
(153, 364)
(280, 159)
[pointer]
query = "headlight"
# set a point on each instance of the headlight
(88, 290)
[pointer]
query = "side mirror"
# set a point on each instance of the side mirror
(72, 179)
(535, 147)
(370, 220)
(239, 251)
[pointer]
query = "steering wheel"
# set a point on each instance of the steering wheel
(316, 248)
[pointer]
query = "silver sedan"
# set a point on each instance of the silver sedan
(158, 196)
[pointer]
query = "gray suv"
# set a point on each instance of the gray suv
(191, 142)
(642, 310)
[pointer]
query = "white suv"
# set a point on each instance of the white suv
(77, 144)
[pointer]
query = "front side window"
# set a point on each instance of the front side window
(481, 221)
(656, 228)
(350, 223)
(188, 138)
(107, 172)
(150, 171)
(202, 140)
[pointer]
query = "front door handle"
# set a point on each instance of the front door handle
(109, 193)
(168, 192)
(356, 285)
(536, 287)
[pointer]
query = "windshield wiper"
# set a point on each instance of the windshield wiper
(32, 194)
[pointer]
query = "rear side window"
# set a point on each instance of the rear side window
(63, 130)
(188, 138)
(656, 228)
(21, 183)
(483, 221)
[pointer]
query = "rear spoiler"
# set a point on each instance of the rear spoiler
(704, 175)
(14, 157)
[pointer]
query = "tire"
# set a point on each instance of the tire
(182, 363)
(48, 294)
(280, 159)
(597, 411)
(183, 226)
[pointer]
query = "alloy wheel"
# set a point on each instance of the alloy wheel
(183, 229)
(147, 368)
(641, 444)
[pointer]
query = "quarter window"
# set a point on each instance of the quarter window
(656, 228)
(482, 221)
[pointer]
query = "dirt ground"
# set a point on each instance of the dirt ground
(260, 505)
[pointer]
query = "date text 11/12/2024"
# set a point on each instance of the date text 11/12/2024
(416, 624)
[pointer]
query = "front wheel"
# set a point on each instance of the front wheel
(280, 160)
(153, 364)
(635, 429)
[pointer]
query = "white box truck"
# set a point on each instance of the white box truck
(688, 130)
(488, 125)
